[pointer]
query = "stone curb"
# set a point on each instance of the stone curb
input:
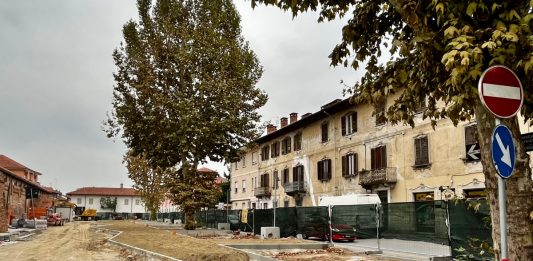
(137, 249)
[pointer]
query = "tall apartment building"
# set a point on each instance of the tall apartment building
(348, 149)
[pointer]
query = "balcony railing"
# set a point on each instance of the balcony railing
(377, 176)
(295, 187)
(262, 191)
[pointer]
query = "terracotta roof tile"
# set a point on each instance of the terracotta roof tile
(104, 191)
(10, 164)
(204, 169)
(37, 185)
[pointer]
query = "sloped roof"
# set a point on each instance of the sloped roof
(100, 191)
(10, 164)
(204, 169)
(37, 185)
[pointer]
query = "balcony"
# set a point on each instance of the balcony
(377, 176)
(294, 188)
(262, 192)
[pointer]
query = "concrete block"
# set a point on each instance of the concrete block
(269, 232)
(223, 226)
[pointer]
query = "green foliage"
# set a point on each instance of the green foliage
(108, 203)
(185, 87)
(438, 49)
(150, 182)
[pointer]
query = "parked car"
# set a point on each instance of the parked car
(317, 228)
(54, 220)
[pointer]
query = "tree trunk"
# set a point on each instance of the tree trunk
(519, 189)
(190, 212)
(153, 215)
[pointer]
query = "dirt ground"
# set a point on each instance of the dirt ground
(87, 241)
(74, 241)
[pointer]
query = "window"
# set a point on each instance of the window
(378, 158)
(243, 159)
(236, 189)
(286, 203)
(265, 152)
(264, 180)
(472, 150)
(286, 176)
(298, 173)
(253, 205)
(243, 205)
(274, 149)
(126, 201)
(298, 141)
(137, 202)
(243, 185)
(324, 170)
(254, 158)
(324, 129)
(349, 165)
(286, 146)
(276, 179)
(90, 201)
(421, 151)
(78, 201)
(379, 109)
(349, 123)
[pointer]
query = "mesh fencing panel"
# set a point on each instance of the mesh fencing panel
(471, 229)
(415, 221)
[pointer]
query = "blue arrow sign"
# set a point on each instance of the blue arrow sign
(503, 151)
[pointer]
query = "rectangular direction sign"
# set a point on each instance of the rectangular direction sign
(527, 140)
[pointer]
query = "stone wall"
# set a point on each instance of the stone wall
(12, 198)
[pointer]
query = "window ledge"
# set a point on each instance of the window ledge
(422, 166)
(467, 160)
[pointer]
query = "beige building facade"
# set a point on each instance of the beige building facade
(348, 149)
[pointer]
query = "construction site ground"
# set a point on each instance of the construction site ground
(89, 241)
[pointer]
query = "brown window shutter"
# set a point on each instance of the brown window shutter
(288, 144)
(356, 168)
(424, 150)
(354, 122)
(329, 169)
(294, 174)
(372, 159)
(319, 168)
(343, 160)
(384, 157)
(343, 125)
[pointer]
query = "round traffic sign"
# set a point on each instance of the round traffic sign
(501, 91)
(503, 151)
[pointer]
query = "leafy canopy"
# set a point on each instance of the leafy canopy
(185, 83)
(438, 49)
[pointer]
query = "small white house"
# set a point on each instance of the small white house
(128, 201)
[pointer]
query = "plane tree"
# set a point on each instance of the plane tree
(185, 90)
(438, 50)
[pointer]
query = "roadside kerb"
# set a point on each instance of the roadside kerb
(137, 249)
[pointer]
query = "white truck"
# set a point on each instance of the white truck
(67, 213)
(351, 199)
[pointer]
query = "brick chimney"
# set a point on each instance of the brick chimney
(284, 122)
(294, 117)
(121, 185)
(271, 128)
(305, 115)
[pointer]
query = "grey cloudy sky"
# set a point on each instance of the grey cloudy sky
(56, 80)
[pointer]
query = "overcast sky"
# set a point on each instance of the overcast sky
(56, 81)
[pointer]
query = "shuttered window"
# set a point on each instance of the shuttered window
(324, 129)
(274, 149)
(263, 182)
(349, 123)
(265, 151)
(380, 112)
(276, 179)
(349, 165)
(324, 170)
(298, 141)
(378, 157)
(298, 173)
(286, 146)
(421, 151)
(286, 176)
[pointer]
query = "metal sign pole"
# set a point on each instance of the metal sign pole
(503, 210)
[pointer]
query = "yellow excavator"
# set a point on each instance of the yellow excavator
(88, 214)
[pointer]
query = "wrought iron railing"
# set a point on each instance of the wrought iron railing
(262, 191)
(294, 187)
(377, 176)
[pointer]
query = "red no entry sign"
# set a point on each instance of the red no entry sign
(500, 91)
